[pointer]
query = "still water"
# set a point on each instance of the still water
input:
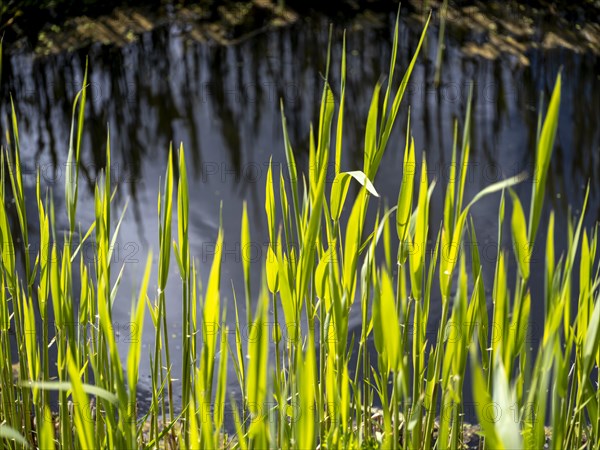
(223, 104)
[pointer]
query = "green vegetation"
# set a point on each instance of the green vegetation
(322, 262)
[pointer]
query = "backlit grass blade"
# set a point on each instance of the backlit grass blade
(339, 190)
(165, 210)
(44, 250)
(453, 245)
(31, 347)
(386, 324)
(542, 159)
(550, 265)
(464, 154)
(256, 380)
(519, 235)
(8, 249)
(326, 112)
(219, 409)
(325, 121)
(387, 121)
(418, 249)
(83, 426)
(285, 210)
(309, 238)
(592, 340)
(482, 400)
(337, 198)
(292, 171)
(479, 303)
(72, 167)
(4, 314)
(242, 441)
(352, 245)
(188, 301)
(340, 118)
(194, 440)
(135, 347)
(287, 292)
(272, 270)
(307, 381)
(450, 198)
(246, 249)
(46, 431)
(504, 396)
(9, 433)
(115, 234)
(212, 314)
(238, 353)
(393, 58)
(371, 134)
(405, 197)
(270, 204)
(16, 181)
(364, 181)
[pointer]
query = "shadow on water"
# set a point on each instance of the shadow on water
(223, 104)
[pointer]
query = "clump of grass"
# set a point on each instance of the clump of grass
(322, 263)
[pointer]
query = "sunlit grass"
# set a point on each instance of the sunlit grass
(322, 263)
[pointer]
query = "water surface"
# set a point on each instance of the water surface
(223, 104)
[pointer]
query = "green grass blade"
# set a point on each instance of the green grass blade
(542, 159)
(135, 347)
(405, 197)
(519, 237)
(9, 433)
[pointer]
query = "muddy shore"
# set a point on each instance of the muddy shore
(488, 28)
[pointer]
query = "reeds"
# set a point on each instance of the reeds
(293, 367)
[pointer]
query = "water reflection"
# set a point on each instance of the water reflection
(223, 104)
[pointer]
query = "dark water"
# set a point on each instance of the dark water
(223, 104)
